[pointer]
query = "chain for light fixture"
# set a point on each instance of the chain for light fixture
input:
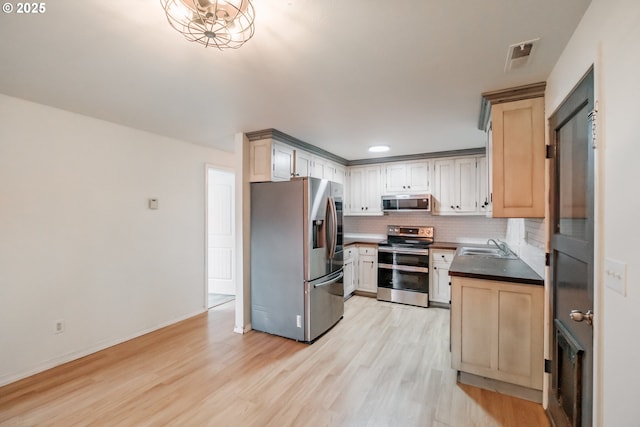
(218, 23)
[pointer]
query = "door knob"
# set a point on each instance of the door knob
(578, 316)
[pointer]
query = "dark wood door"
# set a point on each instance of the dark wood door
(570, 399)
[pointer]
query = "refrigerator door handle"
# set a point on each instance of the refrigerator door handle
(330, 281)
(334, 227)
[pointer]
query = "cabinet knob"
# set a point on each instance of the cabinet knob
(452, 207)
(408, 186)
(457, 207)
(435, 268)
(442, 256)
(404, 186)
(362, 208)
(366, 208)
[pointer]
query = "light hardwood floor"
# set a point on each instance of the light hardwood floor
(383, 364)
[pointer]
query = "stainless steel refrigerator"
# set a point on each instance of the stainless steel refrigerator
(297, 289)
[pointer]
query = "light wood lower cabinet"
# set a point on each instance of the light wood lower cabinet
(497, 330)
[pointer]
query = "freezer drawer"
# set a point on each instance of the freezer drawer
(324, 304)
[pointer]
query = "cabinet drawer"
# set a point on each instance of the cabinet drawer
(349, 252)
(442, 256)
(367, 250)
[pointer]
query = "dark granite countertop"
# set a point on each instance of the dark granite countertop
(446, 245)
(504, 270)
(353, 239)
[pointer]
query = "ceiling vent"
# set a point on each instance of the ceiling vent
(519, 54)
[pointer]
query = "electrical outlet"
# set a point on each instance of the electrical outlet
(58, 326)
(299, 321)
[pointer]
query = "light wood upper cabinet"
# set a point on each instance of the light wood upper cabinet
(518, 159)
(406, 178)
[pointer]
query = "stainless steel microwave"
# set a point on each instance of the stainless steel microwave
(407, 203)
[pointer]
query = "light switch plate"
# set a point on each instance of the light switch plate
(615, 276)
(153, 203)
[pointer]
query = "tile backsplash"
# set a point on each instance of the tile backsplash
(527, 238)
(470, 229)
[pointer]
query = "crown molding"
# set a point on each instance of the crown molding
(534, 90)
(296, 143)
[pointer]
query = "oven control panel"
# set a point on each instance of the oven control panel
(408, 231)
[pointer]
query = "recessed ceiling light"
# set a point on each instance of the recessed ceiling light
(378, 148)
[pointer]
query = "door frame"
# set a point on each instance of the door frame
(208, 166)
(598, 252)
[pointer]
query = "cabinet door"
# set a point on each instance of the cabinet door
(373, 190)
(367, 273)
(440, 289)
(260, 161)
(443, 191)
(282, 162)
(339, 174)
(349, 276)
(497, 330)
(465, 200)
(418, 177)
(303, 163)
(474, 327)
(483, 185)
(322, 168)
(365, 192)
(356, 200)
(518, 159)
(395, 178)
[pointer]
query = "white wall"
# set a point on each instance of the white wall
(608, 37)
(78, 242)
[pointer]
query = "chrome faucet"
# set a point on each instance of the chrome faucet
(500, 245)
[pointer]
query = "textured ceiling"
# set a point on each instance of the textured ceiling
(341, 75)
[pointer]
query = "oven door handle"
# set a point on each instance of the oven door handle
(409, 268)
(403, 251)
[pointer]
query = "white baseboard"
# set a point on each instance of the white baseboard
(57, 361)
(242, 330)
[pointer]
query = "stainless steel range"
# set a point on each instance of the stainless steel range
(403, 265)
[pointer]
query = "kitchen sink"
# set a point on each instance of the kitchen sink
(486, 252)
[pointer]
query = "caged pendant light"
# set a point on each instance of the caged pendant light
(217, 23)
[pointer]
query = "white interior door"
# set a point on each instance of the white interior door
(221, 231)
